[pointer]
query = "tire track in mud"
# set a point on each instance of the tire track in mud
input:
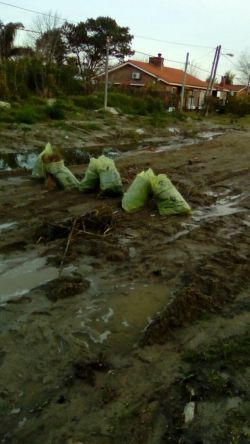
(207, 286)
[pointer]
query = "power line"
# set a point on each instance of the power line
(229, 60)
(138, 52)
(173, 43)
(33, 11)
(137, 36)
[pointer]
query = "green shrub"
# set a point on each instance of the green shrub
(27, 114)
(36, 100)
(55, 111)
(238, 105)
(6, 115)
(91, 101)
(90, 126)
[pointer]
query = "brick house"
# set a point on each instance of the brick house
(224, 91)
(164, 81)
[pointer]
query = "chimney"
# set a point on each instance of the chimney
(223, 81)
(157, 61)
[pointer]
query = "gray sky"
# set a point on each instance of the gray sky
(206, 23)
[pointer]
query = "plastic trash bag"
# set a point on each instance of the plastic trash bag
(63, 175)
(139, 191)
(38, 171)
(110, 180)
(91, 179)
(101, 173)
(168, 198)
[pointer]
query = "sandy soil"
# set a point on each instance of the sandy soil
(112, 331)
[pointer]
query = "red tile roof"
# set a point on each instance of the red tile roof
(235, 88)
(171, 76)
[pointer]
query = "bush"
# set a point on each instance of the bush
(92, 101)
(55, 111)
(6, 115)
(238, 105)
(27, 115)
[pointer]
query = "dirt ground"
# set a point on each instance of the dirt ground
(128, 328)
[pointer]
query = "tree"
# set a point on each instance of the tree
(51, 46)
(228, 78)
(244, 66)
(7, 39)
(193, 68)
(87, 41)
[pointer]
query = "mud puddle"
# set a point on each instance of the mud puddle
(75, 156)
(225, 206)
(209, 135)
(11, 161)
(7, 226)
(116, 320)
(175, 143)
(21, 273)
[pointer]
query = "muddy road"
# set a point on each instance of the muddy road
(130, 328)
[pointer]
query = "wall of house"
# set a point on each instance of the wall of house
(194, 99)
(123, 76)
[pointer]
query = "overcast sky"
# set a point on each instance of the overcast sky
(207, 23)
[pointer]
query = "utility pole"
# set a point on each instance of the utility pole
(212, 72)
(184, 82)
(106, 73)
(248, 84)
(212, 77)
(215, 67)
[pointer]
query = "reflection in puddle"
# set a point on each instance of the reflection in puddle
(7, 226)
(223, 207)
(21, 274)
(10, 161)
(208, 135)
(119, 318)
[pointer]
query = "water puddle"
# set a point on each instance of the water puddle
(223, 207)
(77, 156)
(209, 135)
(20, 274)
(11, 161)
(119, 319)
(7, 226)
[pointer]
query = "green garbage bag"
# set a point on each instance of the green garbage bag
(63, 175)
(38, 171)
(91, 179)
(110, 180)
(168, 198)
(139, 191)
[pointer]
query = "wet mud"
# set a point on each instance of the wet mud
(115, 325)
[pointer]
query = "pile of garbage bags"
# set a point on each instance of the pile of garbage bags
(102, 174)
(147, 185)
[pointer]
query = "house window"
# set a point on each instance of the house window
(136, 75)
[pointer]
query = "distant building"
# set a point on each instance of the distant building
(224, 91)
(164, 81)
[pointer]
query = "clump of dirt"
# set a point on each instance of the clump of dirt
(64, 287)
(86, 371)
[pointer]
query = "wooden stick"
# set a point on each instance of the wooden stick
(67, 246)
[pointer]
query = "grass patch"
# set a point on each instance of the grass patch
(232, 350)
(90, 126)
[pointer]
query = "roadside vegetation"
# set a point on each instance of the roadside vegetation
(55, 77)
